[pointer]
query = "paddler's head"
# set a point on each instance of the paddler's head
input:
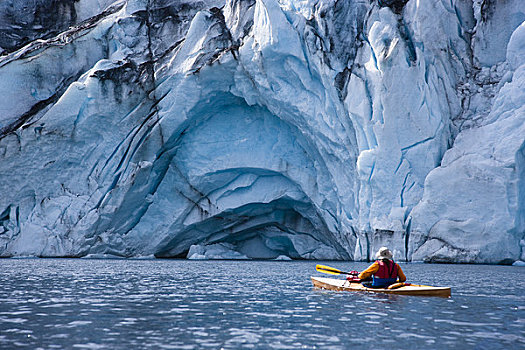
(384, 253)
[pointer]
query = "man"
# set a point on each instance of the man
(384, 271)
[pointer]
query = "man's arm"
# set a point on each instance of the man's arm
(400, 274)
(369, 271)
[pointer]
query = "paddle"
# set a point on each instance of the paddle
(334, 271)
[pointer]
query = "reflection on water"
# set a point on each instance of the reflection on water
(177, 304)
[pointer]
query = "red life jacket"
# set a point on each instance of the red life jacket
(387, 269)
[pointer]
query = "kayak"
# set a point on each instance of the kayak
(402, 288)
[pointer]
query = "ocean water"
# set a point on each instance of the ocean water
(180, 304)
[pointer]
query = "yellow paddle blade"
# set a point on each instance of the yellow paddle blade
(328, 269)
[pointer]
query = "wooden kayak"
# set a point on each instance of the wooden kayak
(412, 289)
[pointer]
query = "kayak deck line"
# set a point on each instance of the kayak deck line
(413, 289)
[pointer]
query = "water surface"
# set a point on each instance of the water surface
(180, 304)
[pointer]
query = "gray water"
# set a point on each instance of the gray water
(179, 304)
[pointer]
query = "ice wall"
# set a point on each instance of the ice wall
(264, 129)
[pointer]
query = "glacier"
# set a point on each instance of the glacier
(266, 129)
